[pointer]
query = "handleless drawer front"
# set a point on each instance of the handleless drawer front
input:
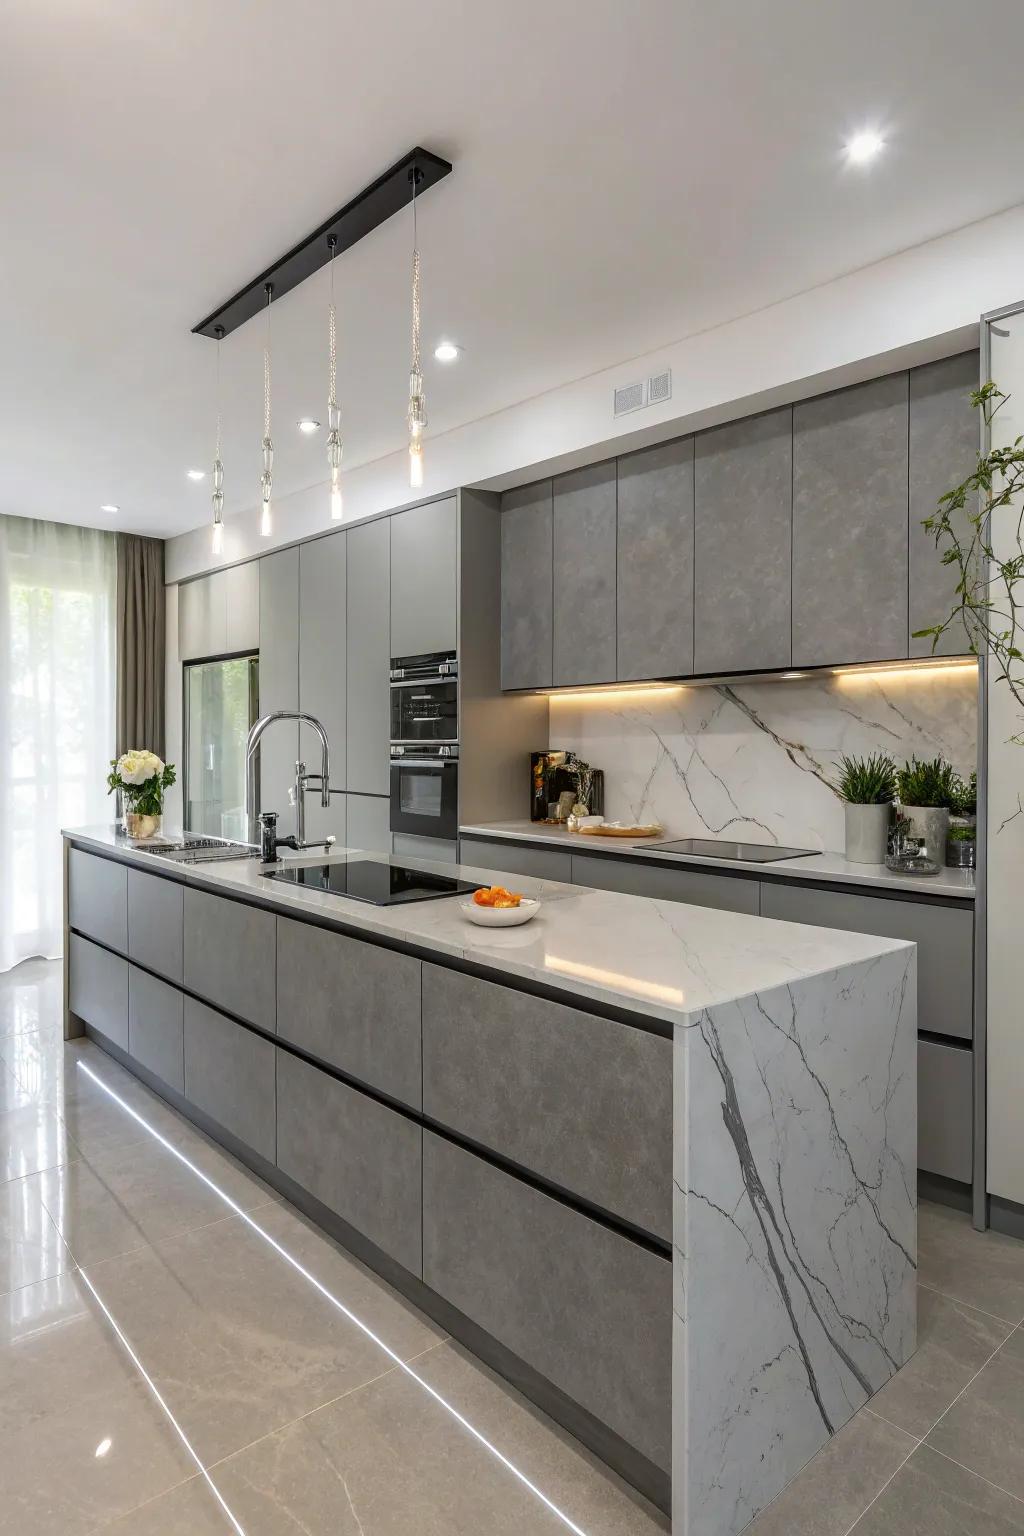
(229, 1075)
(98, 898)
(509, 1257)
(579, 1100)
(155, 923)
(944, 937)
(945, 1116)
(353, 1005)
(513, 859)
(99, 989)
(156, 1027)
(359, 1158)
(730, 893)
(230, 956)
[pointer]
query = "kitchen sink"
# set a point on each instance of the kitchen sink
(717, 848)
(193, 849)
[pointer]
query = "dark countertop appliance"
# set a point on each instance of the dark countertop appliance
(550, 778)
(370, 880)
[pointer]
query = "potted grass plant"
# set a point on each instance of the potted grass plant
(961, 839)
(926, 790)
(867, 786)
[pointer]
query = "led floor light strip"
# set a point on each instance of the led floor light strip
(328, 1296)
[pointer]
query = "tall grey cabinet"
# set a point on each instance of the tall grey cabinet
(526, 586)
(583, 582)
(279, 680)
(654, 562)
(322, 672)
(424, 578)
(368, 657)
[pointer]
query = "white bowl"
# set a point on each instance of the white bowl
(501, 917)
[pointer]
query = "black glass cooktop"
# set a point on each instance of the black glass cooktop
(383, 885)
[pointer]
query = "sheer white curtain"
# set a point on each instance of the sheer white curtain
(57, 695)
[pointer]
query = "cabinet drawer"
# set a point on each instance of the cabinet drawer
(353, 1005)
(509, 1256)
(730, 893)
(155, 923)
(230, 956)
(98, 989)
(156, 1027)
(512, 859)
(98, 898)
(356, 1156)
(579, 1100)
(944, 937)
(945, 1110)
(229, 1075)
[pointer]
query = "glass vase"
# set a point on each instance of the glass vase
(140, 825)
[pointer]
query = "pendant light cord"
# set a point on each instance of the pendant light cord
(217, 453)
(415, 283)
(333, 343)
(266, 375)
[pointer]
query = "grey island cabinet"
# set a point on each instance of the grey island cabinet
(543, 1144)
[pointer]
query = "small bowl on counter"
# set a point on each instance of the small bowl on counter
(496, 907)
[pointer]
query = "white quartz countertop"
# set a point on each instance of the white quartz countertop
(663, 959)
(829, 868)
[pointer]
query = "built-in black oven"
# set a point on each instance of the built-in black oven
(425, 699)
(425, 790)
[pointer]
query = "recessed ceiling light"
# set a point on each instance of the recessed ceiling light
(864, 146)
(446, 351)
(197, 474)
(308, 425)
(108, 506)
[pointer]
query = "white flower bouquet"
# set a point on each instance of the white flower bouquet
(141, 777)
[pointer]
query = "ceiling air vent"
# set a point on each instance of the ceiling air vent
(659, 387)
(631, 397)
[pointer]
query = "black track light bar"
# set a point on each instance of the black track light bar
(372, 206)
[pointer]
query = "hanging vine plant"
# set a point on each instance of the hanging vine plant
(979, 517)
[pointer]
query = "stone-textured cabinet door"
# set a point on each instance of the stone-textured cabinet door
(945, 1110)
(850, 561)
(230, 956)
(944, 444)
(155, 923)
(508, 1256)
(424, 579)
(368, 658)
(229, 1075)
(368, 823)
(279, 681)
(322, 635)
(583, 548)
(526, 590)
(98, 898)
(655, 562)
(700, 887)
(497, 857)
(98, 989)
(743, 480)
(156, 1027)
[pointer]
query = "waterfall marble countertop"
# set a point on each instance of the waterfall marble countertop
(823, 868)
(663, 959)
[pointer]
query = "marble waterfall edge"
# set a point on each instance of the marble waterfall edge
(795, 1227)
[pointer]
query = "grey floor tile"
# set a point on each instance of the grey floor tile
(30, 997)
(983, 1269)
(83, 1439)
(984, 1429)
(33, 1137)
(31, 1248)
(931, 1496)
(838, 1484)
(953, 1342)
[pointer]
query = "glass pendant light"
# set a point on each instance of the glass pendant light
(334, 444)
(267, 477)
(217, 498)
(417, 402)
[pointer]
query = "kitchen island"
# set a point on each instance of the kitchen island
(653, 1162)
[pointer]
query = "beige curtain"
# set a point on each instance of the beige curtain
(140, 643)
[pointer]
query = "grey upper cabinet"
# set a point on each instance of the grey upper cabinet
(944, 445)
(655, 561)
(743, 482)
(850, 562)
(368, 658)
(322, 672)
(219, 614)
(583, 584)
(424, 579)
(279, 680)
(526, 590)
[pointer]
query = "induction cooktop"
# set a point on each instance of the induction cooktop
(383, 885)
(718, 848)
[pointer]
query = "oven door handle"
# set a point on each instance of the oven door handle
(424, 762)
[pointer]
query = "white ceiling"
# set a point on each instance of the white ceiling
(625, 175)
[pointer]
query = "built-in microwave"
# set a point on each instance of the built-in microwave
(425, 791)
(425, 700)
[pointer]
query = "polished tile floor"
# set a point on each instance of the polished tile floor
(181, 1354)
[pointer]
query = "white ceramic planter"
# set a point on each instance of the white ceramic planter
(930, 822)
(867, 831)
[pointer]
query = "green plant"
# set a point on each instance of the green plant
(930, 783)
(962, 834)
(866, 780)
(964, 800)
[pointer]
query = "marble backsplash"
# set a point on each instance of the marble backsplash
(755, 760)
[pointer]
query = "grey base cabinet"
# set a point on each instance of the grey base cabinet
(945, 1116)
(582, 1101)
(98, 898)
(508, 1256)
(229, 1075)
(704, 889)
(356, 1156)
(229, 956)
(156, 1027)
(98, 991)
(155, 923)
(512, 859)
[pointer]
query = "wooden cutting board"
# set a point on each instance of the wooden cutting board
(606, 831)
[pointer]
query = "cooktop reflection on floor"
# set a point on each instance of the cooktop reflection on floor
(383, 885)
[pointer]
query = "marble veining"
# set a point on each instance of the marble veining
(756, 760)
